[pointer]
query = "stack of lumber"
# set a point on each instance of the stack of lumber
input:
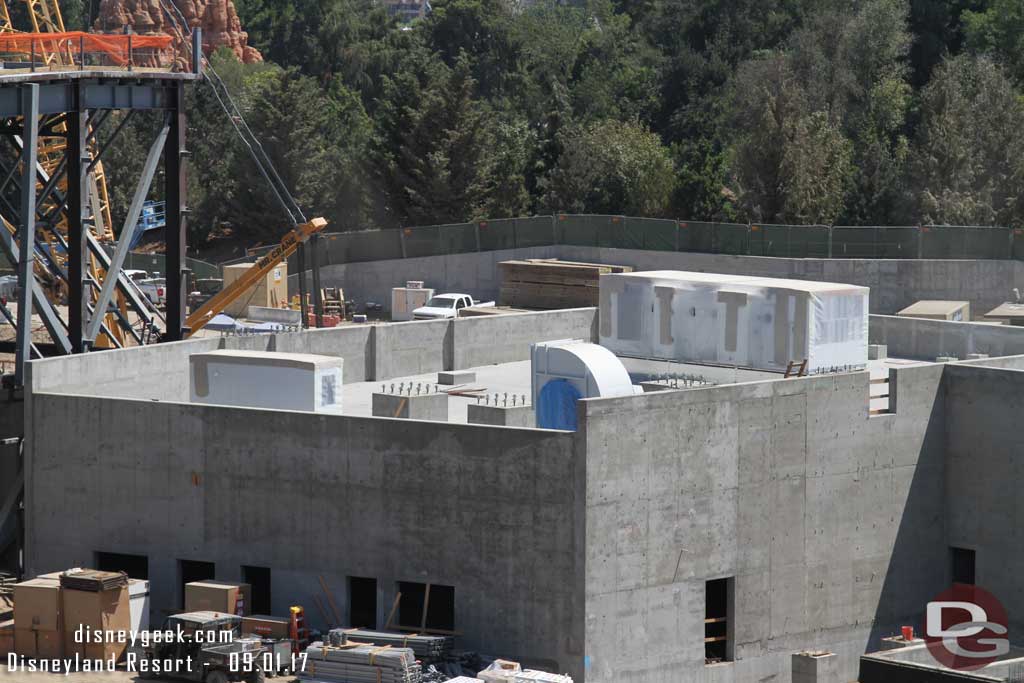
(353, 663)
(426, 647)
(92, 581)
(550, 283)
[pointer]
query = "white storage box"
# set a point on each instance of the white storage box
(138, 594)
(262, 379)
(405, 300)
(751, 322)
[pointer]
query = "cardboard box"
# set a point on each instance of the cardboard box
(6, 637)
(37, 605)
(38, 644)
(269, 291)
(267, 626)
(106, 612)
(217, 596)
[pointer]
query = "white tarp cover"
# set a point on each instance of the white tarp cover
(752, 322)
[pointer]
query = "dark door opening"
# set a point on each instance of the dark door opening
(259, 579)
(963, 565)
(192, 570)
(135, 566)
(362, 602)
(717, 629)
(437, 602)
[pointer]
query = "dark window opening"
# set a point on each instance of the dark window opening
(192, 570)
(135, 566)
(435, 600)
(963, 565)
(717, 629)
(362, 602)
(258, 579)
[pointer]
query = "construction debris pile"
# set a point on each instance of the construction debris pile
(358, 663)
(428, 648)
(550, 283)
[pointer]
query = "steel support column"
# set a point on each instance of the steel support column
(176, 189)
(318, 302)
(301, 256)
(27, 232)
(77, 193)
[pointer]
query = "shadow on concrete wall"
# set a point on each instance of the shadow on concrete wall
(917, 568)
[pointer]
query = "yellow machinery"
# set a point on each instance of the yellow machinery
(302, 232)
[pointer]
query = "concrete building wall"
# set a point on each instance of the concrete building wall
(503, 338)
(494, 512)
(895, 284)
(984, 472)
(928, 339)
(829, 522)
(371, 352)
(474, 273)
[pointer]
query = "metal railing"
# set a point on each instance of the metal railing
(78, 50)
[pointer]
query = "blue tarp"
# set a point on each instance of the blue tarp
(556, 405)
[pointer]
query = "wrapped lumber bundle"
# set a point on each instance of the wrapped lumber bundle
(550, 283)
(425, 647)
(360, 664)
(92, 581)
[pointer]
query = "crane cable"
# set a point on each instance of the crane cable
(234, 114)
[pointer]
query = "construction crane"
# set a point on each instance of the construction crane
(295, 238)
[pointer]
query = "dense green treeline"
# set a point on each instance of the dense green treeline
(825, 111)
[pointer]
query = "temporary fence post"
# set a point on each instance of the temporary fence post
(81, 53)
(920, 240)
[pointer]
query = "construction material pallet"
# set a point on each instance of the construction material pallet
(551, 284)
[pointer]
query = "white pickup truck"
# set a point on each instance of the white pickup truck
(446, 306)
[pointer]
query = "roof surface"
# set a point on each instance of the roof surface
(267, 358)
(933, 307)
(691, 277)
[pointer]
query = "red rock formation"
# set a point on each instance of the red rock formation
(217, 19)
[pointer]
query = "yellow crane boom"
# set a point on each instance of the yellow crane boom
(289, 243)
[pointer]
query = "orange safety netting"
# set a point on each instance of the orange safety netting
(76, 43)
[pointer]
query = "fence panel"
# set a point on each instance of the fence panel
(457, 238)
(575, 230)
(609, 230)
(650, 233)
(538, 231)
(732, 238)
(424, 240)
(854, 241)
(897, 241)
(986, 243)
(697, 236)
(497, 234)
(1018, 244)
(365, 245)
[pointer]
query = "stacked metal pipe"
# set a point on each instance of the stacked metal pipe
(427, 647)
(360, 664)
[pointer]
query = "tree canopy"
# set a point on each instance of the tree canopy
(803, 111)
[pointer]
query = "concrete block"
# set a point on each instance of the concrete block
(896, 642)
(456, 377)
(976, 356)
(433, 407)
(946, 359)
(654, 386)
(266, 314)
(816, 667)
(877, 351)
(510, 416)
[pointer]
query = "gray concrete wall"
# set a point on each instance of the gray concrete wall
(928, 339)
(491, 339)
(829, 521)
(895, 284)
(494, 512)
(474, 273)
(984, 473)
(381, 351)
(413, 348)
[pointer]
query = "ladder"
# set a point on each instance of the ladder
(796, 368)
(297, 630)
